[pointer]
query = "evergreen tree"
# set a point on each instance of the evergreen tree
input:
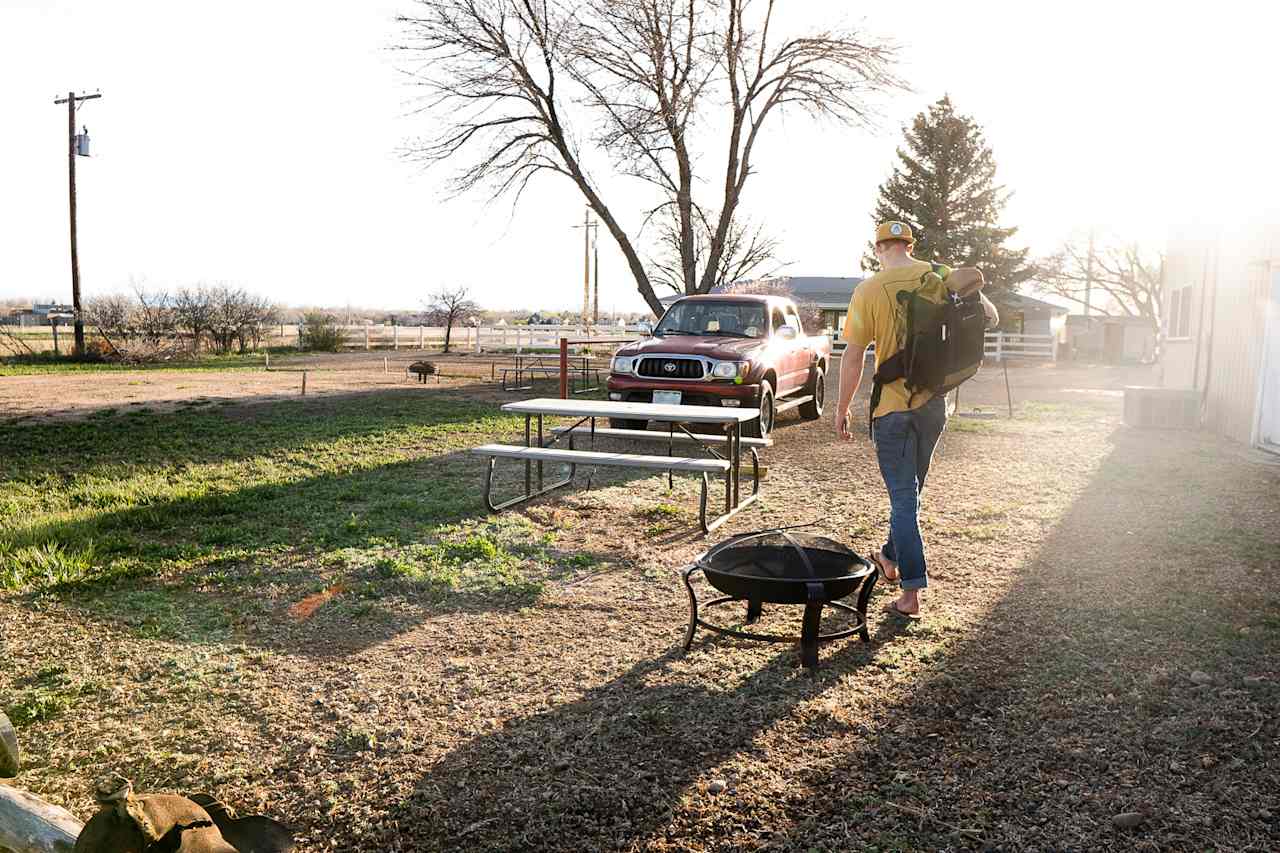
(944, 188)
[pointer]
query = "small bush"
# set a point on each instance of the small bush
(320, 332)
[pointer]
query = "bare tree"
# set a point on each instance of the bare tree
(449, 306)
(746, 250)
(194, 309)
(154, 318)
(1125, 280)
(112, 316)
(504, 77)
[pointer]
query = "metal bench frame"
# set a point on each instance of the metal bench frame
(530, 466)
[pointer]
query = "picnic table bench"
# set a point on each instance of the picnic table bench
(728, 464)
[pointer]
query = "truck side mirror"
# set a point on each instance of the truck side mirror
(786, 332)
(646, 328)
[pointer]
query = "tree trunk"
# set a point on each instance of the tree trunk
(448, 330)
(30, 825)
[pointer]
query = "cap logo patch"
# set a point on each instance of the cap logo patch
(895, 229)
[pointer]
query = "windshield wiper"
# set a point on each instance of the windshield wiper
(727, 332)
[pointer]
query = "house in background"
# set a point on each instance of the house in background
(1110, 339)
(1222, 329)
(41, 314)
(1025, 315)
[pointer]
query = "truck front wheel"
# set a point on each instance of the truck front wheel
(817, 389)
(763, 425)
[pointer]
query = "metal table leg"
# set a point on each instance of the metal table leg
(528, 485)
(737, 462)
(540, 445)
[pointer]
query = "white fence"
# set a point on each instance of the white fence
(470, 338)
(1006, 345)
(1001, 345)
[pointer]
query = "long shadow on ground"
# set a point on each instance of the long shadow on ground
(607, 768)
(1074, 701)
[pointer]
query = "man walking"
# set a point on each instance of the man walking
(905, 427)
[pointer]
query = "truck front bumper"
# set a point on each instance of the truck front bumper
(631, 389)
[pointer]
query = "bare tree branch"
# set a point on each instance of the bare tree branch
(1125, 280)
(516, 84)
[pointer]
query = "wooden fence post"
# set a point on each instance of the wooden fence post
(395, 337)
(366, 337)
(420, 338)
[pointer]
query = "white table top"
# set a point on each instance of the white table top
(637, 411)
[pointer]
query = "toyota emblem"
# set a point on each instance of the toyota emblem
(669, 367)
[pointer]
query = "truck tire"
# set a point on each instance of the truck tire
(763, 425)
(817, 388)
(621, 423)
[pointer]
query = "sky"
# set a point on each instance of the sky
(261, 144)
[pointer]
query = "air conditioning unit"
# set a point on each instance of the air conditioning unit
(1161, 408)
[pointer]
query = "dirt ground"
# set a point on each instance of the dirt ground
(1098, 667)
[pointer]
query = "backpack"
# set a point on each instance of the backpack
(944, 343)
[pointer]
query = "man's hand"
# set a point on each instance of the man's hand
(842, 426)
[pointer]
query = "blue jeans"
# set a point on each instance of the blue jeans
(904, 448)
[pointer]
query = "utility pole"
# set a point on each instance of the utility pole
(586, 226)
(70, 101)
(595, 306)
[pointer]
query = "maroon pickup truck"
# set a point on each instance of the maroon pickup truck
(726, 350)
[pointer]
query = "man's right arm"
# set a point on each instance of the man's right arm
(857, 337)
(851, 369)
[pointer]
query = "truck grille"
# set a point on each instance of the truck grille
(671, 368)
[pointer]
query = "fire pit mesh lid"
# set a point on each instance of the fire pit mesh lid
(782, 555)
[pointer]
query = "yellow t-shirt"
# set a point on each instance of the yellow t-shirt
(875, 315)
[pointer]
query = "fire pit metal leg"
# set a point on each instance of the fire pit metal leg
(693, 607)
(812, 621)
(754, 608)
(863, 597)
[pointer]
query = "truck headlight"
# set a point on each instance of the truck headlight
(622, 364)
(729, 369)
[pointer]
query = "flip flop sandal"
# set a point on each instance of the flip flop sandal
(884, 570)
(892, 609)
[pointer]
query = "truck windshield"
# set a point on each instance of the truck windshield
(732, 319)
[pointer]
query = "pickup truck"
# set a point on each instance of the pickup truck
(726, 350)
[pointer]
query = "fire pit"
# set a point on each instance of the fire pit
(779, 567)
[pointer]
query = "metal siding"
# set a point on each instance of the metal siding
(1238, 329)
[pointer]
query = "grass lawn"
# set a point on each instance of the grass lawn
(53, 363)
(301, 606)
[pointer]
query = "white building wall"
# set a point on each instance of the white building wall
(1231, 299)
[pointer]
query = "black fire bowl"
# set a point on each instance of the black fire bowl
(778, 567)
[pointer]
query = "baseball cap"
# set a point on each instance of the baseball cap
(894, 231)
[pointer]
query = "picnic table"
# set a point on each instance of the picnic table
(525, 368)
(728, 464)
